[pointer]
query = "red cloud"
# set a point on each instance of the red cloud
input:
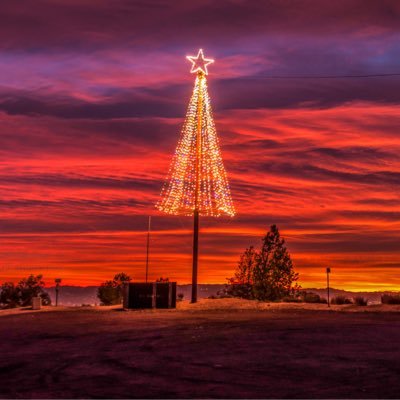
(328, 178)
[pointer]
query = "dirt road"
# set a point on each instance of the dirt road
(200, 353)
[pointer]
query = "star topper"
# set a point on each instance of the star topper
(199, 63)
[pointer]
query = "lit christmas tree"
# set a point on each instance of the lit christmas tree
(197, 183)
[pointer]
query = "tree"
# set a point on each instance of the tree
(241, 285)
(267, 274)
(21, 295)
(32, 287)
(110, 292)
(9, 295)
(273, 273)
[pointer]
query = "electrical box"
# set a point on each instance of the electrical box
(166, 295)
(149, 295)
(36, 303)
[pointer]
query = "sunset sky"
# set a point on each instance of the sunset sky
(93, 97)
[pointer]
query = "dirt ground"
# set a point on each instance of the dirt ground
(214, 349)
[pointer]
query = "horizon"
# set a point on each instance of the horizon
(91, 116)
(331, 288)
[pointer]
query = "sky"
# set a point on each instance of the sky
(93, 95)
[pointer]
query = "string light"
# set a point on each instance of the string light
(197, 178)
(199, 63)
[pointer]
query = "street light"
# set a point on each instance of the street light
(57, 281)
(328, 271)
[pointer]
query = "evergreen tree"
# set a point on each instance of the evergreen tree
(273, 273)
(241, 285)
(267, 274)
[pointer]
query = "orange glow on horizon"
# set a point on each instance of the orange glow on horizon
(326, 177)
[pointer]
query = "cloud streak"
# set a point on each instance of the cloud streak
(90, 116)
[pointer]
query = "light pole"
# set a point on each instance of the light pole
(198, 166)
(196, 183)
(57, 281)
(328, 271)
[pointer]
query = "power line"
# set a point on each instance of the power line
(320, 76)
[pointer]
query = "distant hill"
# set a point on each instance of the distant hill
(74, 295)
(373, 297)
(78, 295)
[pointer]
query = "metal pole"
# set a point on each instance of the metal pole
(57, 281)
(328, 270)
(147, 248)
(195, 255)
(197, 190)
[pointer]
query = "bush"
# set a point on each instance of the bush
(224, 293)
(340, 300)
(291, 299)
(9, 296)
(390, 299)
(309, 297)
(241, 290)
(360, 301)
(46, 300)
(110, 292)
(32, 287)
(21, 295)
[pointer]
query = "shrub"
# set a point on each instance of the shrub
(9, 296)
(224, 293)
(110, 292)
(291, 299)
(340, 300)
(46, 300)
(390, 299)
(309, 297)
(241, 290)
(360, 301)
(21, 295)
